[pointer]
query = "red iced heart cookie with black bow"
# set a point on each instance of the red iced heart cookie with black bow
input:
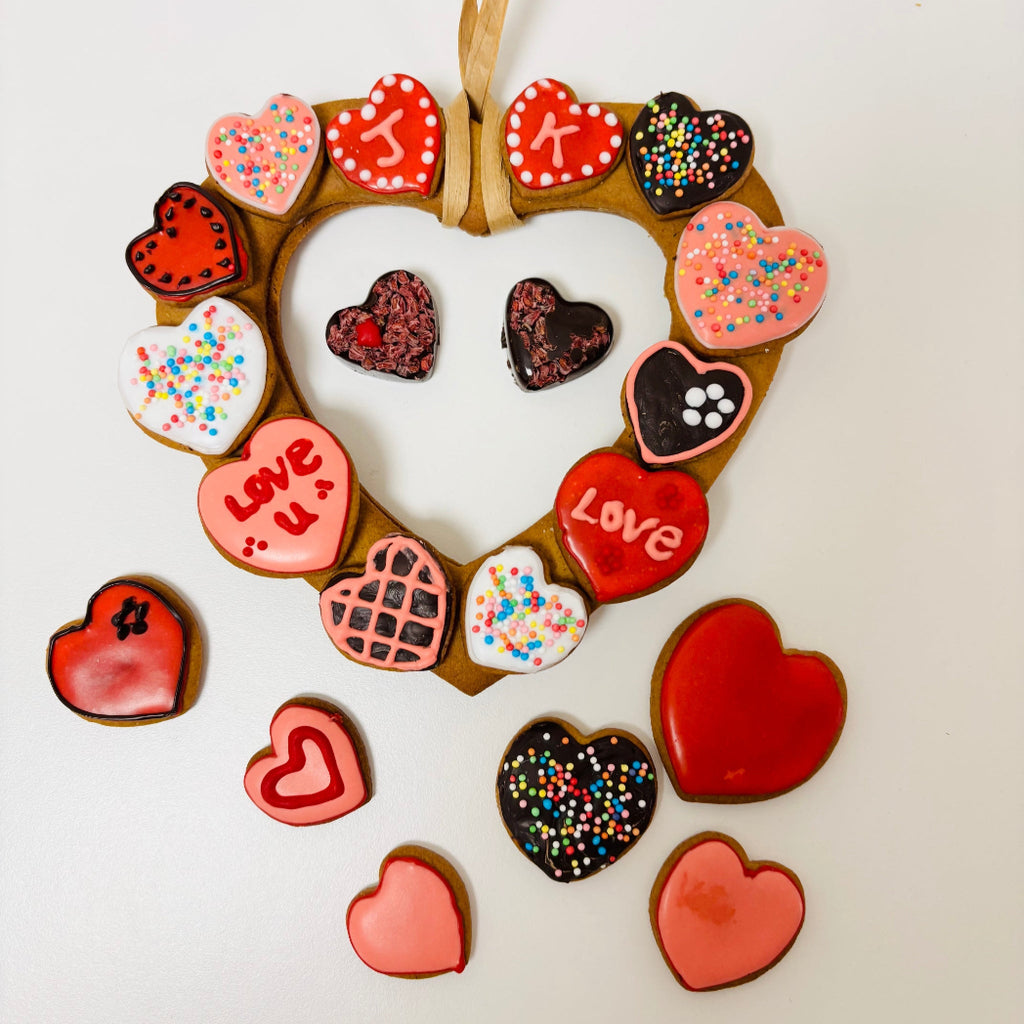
(629, 530)
(192, 248)
(288, 505)
(392, 143)
(314, 769)
(737, 717)
(719, 918)
(134, 658)
(551, 140)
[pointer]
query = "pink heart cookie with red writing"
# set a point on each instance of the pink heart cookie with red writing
(264, 160)
(313, 771)
(415, 923)
(288, 505)
(629, 530)
(551, 140)
(393, 142)
(740, 284)
(720, 919)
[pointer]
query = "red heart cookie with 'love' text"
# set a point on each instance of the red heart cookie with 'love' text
(736, 717)
(313, 770)
(629, 530)
(288, 505)
(720, 919)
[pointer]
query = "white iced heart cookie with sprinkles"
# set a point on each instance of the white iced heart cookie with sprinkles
(198, 384)
(515, 620)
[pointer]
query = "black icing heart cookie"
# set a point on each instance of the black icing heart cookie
(393, 333)
(574, 804)
(548, 340)
(683, 157)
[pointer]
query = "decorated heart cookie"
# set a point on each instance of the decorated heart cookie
(552, 140)
(682, 157)
(680, 406)
(549, 339)
(740, 284)
(515, 620)
(393, 333)
(720, 919)
(575, 804)
(392, 143)
(629, 530)
(415, 923)
(288, 505)
(199, 384)
(393, 615)
(314, 769)
(134, 658)
(736, 716)
(192, 248)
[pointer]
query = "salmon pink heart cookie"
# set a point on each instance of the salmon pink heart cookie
(288, 505)
(264, 160)
(313, 770)
(740, 284)
(720, 919)
(736, 717)
(552, 140)
(629, 530)
(391, 144)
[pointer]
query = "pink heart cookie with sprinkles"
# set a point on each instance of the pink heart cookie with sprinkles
(392, 143)
(264, 160)
(740, 284)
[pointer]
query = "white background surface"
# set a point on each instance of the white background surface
(874, 508)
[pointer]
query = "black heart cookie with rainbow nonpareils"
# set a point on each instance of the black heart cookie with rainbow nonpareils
(574, 804)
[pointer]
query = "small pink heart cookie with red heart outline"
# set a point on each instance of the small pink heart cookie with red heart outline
(552, 140)
(740, 284)
(415, 923)
(289, 505)
(265, 160)
(392, 143)
(719, 918)
(314, 769)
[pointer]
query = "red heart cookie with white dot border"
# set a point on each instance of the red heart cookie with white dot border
(392, 143)
(552, 140)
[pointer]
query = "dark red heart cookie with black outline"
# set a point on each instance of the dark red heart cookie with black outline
(192, 249)
(393, 333)
(736, 716)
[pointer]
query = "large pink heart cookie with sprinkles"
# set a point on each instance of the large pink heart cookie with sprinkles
(740, 284)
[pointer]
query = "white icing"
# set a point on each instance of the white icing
(369, 112)
(715, 392)
(695, 397)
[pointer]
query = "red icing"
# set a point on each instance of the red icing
(141, 675)
(627, 528)
(393, 142)
(551, 139)
(740, 717)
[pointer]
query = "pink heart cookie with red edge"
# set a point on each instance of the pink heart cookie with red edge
(720, 919)
(414, 924)
(740, 284)
(264, 160)
(288, 505)
(551, 139)
(312, 772)
(628, 529)
(392, 143)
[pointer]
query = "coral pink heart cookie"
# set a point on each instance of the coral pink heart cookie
(415, 923)
(629, 530)
(264, 160)
(551, 140)
(392, 143)
(740, 284)
(314, 769)
(736, 717)
(288, 505)
(720, 919)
